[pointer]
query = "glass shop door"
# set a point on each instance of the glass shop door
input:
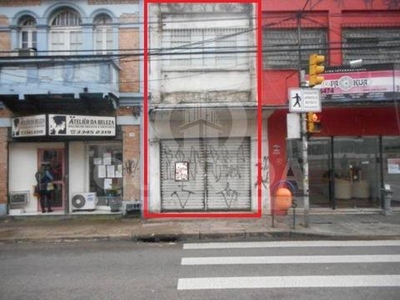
(55, 158)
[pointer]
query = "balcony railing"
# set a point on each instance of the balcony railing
(28, 74)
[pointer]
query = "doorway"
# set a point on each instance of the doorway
(55, 158)
(356, 181)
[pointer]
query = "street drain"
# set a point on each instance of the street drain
(157, 239)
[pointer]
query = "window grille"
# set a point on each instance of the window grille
(205, 47)
(372, 45)
(281, 47)
(66, 18)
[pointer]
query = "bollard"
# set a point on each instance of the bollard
(294, 205)
(387, 198)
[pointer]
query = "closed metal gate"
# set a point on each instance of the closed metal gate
(218, 175)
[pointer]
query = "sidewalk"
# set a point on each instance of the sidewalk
(333, 225)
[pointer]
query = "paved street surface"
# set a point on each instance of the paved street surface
(294, 265)
(304, 270)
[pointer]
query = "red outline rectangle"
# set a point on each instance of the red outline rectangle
(146, 213)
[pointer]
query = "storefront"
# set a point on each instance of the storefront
(88, 156)
(355, 150)
(203, 160)
(350, 171)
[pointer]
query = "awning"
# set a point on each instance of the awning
(87, 103)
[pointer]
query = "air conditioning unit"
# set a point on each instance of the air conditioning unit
(19, 198)
(24, 52)
(27, 52)
(83, 201)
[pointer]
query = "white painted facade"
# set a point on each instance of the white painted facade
(202, 86)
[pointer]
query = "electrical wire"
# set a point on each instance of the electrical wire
(199, 48)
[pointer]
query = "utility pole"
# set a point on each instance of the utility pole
(304, 137)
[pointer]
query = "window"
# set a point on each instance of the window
(281, 47)
(66, 33)
(205, 47)
(372, 45)
(28, 34)
(105, 165)
(103, 34)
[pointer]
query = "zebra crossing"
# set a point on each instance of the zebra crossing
(295, 257)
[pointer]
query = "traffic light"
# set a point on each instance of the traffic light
(313, 122)
(315, 69)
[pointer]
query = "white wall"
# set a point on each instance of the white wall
(172, 81)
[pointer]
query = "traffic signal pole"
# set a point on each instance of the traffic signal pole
(304, 136)
(306, 192)
(315, 70)
(304, 145)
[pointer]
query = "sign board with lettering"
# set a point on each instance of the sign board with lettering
(28, 126)
(367, 83)
(304, 100)
(73, 125)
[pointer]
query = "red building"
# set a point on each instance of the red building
(357, 149)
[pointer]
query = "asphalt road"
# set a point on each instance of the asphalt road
(260, 270)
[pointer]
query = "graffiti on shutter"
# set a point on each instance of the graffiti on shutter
(218, 175)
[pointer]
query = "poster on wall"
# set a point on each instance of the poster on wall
(28, 126)
(394, 165)
(107, 158)
(182, 171)
(118, 171)
(101, 171)
(107, 184)
(73, 125)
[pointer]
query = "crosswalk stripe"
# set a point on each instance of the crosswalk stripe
(304, 259)
(207, 283)
(246, 245)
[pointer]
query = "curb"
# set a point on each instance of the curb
(201, 237)
(267, 236)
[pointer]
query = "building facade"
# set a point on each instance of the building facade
(202, 145)
(70, 88)
(355, 152)
(71, 92)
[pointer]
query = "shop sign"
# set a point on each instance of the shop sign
(28, 126)
(74, 125)
(370, 82)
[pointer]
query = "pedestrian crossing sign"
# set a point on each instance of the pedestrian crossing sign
(303, 100)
